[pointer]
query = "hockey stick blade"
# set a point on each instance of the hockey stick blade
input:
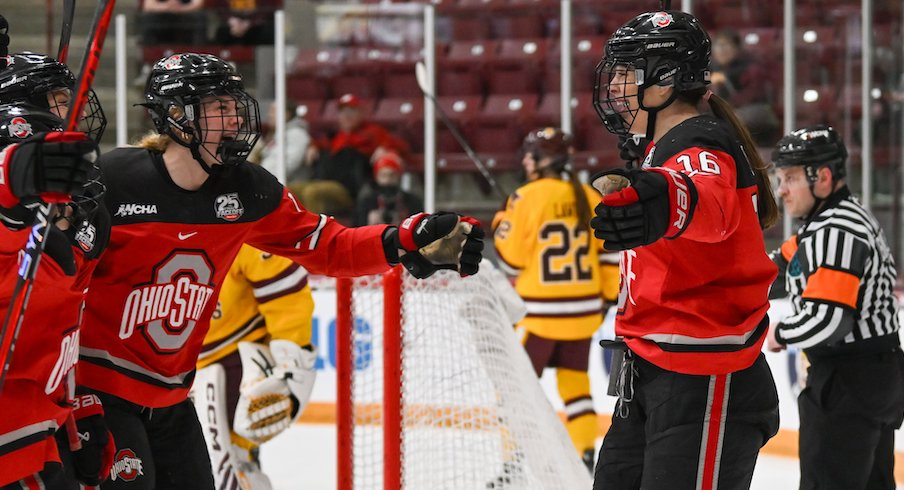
(420, 73)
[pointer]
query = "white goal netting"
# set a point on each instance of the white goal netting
(473, 415)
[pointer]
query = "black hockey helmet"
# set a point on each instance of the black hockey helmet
(19, 121)
(659, 48)
(812, 147)
(175, 89)
(34, 79)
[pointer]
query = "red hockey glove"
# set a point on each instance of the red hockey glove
(51, 166)
(94, 459)
(658, 203)
(440, 241)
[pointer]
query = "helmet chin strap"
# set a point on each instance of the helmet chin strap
(652, 111)
(195, 149)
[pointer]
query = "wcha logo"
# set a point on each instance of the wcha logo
(134, 209)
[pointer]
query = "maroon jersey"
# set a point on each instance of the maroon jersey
(170, 249)
(696, 304)
(35, 400)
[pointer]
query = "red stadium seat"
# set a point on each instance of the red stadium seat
(517, 66)
(470, 28)
(517, 24)
(462, 70)
(504, 121)
(462, 111)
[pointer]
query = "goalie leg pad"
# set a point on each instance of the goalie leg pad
(209, 395)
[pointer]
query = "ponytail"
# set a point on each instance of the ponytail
(767, 209)
(580, 199)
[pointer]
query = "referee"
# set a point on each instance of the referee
(839, 273)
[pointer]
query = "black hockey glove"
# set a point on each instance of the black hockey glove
(51, 166)
(658, 203)
(439, 241)
(631, 148)
(94, 459)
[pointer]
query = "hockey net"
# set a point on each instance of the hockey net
(463, 408)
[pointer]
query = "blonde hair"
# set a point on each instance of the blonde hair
(154, 141)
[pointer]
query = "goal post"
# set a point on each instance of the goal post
(434, 389)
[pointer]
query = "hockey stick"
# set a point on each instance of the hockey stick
(420, 72)
(38, 237)
(66, 31)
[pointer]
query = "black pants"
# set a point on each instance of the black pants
(687, 432)
(156, 449)
(848, 415)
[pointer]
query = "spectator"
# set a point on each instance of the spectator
(297, 141)
(172, 22)
(386, 202)
(246, 22)
(735, 75)
(350, 151)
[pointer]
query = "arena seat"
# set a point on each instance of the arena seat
(462, 111)
(517, 66)
(404, 117)
(463, 69)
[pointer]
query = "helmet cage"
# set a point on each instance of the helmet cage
(660, 48)
(33, 78)
(175, 94)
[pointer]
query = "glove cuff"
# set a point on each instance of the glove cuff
(391, 245)
(407, 230)
(7, 198)
(86, 405)
(682, 195)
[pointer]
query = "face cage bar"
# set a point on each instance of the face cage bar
(615, 112)
(93, 121)
(235, 149)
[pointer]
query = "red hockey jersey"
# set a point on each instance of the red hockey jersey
(35, 400)
(696, 304)
(156, 287)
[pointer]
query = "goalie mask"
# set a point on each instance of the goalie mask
(46, 83)
(549, 142)
(199, 100)
(666, 48)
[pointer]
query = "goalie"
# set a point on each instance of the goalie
(256, 368)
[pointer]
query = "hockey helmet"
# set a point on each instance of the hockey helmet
(33, 78)
(175, 89)
(19, 121)
(668, 48)
(549, 142)
(812, 147)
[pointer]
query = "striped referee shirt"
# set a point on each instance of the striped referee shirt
(840, 275)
